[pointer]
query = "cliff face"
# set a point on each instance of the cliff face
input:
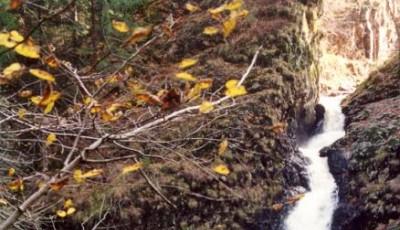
(366, 162)
(266, 167)
(359, 35)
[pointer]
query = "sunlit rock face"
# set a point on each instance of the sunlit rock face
(359, 35)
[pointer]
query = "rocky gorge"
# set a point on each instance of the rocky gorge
(307, 48)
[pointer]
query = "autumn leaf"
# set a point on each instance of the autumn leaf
(16, 185)
(51, 138)
(194, 92)
(186, 63)
(205, 83)
(148, 99)
(12, 70)
(41, 74)
(239, 14)
(170, 99)
(185, 76)
(71, 211)
(210, 30)
(218, 10)
(229, 25)
(61, 213)
(277, 207)
(192, 7)
(36, 100)
(16, 36)
(11, 172)
(139, 34)
(6, 41)
(222, 169)
(234, 5)
(223, 146)
(81, 177)
(132, 168)
(58, 185)
(15, 4)
(278, 128)
(25, 93)
(206, 107)
(52, 62)
(120, 26)
(48, 101)
(233, 89)
(68, 203)
(21, 113)
(28, 49)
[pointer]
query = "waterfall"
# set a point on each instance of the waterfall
(314, 211)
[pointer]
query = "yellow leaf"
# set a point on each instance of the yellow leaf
(233, 90)
(185, 76)
(120, 26)
(206, 107)
(28, 49)
(132, 168)
(234, 5)
(205, 83)
(186, 63)
(229, 25)
(36, 100)
(92, 173)
(16, 185)
(11, 172)
(51, 138)
(194, 92)
(231, 84)
(210, 30)
(221, 169)
(16, 36)
(240, 13)
(68, 203)
(71, 211)
(21, 113)
(80, 177)
(12, 70)
(6, 41)
(139, 34)
(47, 102)
(88, 100)
(61, 213)
(222, 147)
(50, 98)
(191, 7)
(41, 74)
(218, 10)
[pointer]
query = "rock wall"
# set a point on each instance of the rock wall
(359, 35)
(366, 162)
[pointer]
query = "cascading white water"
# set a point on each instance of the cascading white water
(314, 211)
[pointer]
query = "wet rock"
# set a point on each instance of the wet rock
(365, 163)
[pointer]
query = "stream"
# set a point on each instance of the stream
(315, 210)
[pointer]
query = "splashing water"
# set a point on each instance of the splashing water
(315, 210)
